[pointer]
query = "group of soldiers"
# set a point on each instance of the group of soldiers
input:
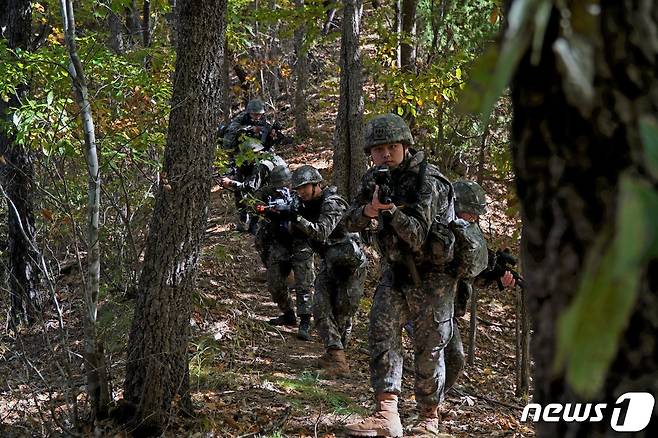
(427, 235)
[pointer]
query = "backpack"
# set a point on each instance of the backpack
(470, 252)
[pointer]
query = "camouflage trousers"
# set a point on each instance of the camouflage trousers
(337, 296)
(281, 261)
(429, 306)
(454, 357)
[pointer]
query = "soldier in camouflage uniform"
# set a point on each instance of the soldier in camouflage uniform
(284, 249)
(470, 260)
(252, 123)
(249, 180)
(339, 284)
(414, 283)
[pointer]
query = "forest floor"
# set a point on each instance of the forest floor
(251, 379)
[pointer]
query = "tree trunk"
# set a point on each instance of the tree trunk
(133, 22)
(115, 39)
(397, 28)
(157, 366)
(301, 79)
(349, 159)
(17, 178)
(225, 83)
(96, 386)
(472, 327)
(570, 149)
(408, 45)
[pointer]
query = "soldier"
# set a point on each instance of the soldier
(470, 260)
(411, 200)
(339, 284)
(248, 180)
(284, 249)
(252, 123)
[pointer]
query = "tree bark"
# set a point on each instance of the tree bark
(569, 151)
(96, 386)
(157, 367)
(301, 79)
(17, 178)
(407, 44)
(349, 159)
(115, 39)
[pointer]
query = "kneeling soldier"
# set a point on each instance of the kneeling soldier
(339, 284)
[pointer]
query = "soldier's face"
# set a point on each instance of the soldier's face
(308, 192)
(390, 155)
(255, 116)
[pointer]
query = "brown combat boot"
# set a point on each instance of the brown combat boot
(384, 422)
(334, 363)
(428, 423)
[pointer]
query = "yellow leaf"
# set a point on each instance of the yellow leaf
(493, 18)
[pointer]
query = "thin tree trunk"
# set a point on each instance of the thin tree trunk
(17, 178)
(96, 388)
(397, 28)
(408, 45)
(482, 155)
(115, 39)
(472, 331)
(301, 79)
(570, 151)
(157, 367)
(349, 159)
(146, 32)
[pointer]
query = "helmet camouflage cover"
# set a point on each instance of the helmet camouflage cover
(305, 175)
(280, 176)
(255, 106)
(251, 143)
(387, 129)
(469, 198)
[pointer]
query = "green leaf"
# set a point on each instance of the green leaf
(590, 329)
(400, 111)
(649, 136)
(49, 97)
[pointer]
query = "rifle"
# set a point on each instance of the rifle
(283, 206)
(383, 180)
(499, 262)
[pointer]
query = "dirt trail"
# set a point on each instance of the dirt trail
(250, 379)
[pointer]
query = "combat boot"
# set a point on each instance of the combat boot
(289, 318)
(428, 423)
(304, 331)
(334, 363)
(385, 422)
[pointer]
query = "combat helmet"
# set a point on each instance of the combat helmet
(252, 143)
(387, 129)
(280, 176)
(305, 174)
(469, 198)
(255, 106)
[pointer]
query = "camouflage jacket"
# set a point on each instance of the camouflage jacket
(323, 222)
(237, 123)
(421, 194)
(470, 249)
(256, 181)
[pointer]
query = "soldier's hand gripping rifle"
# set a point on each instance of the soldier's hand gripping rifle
(281, 207)
(383, 181)
(501, 261)
(385, 195)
